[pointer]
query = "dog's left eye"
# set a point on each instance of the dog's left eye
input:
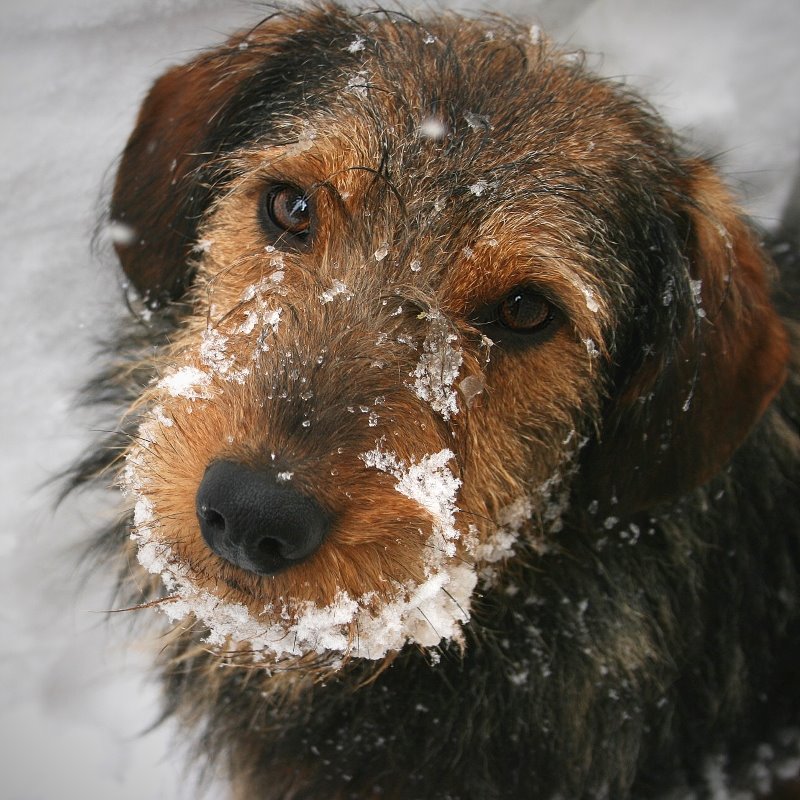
(287, 209)
(525, 311)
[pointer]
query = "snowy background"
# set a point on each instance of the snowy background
(74, 702)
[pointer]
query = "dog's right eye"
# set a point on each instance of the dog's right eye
(525, 311)
(523, 317)
(286, 209)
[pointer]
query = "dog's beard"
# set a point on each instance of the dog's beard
(459, 548)
(426, 612)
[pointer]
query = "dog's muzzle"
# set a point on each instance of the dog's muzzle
(256, 522)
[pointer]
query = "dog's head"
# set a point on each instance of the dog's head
(437, 277)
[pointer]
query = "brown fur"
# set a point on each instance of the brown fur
(619, 418)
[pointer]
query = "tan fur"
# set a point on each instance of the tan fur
(308, 351)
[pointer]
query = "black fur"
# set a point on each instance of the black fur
(541, 703)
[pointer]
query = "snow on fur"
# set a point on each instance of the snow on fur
(438, 367)
(425, 613)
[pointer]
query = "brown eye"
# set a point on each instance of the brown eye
(287, 208)
(525, 311)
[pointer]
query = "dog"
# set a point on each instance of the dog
(461, 446)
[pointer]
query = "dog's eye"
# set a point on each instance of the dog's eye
(288, 209)
(525, 311)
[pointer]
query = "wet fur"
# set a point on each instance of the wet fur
(659, 624)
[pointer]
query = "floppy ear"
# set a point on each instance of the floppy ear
(677, 421)
(159, 194)
(165, 179)
(153, 192)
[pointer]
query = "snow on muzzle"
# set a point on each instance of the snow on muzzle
(258, 387)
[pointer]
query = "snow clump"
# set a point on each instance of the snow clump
(187, 382)
(438, 367)
(424, 613)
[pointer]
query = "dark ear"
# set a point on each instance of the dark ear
(165, 179)
(158, 195)
(677, 421)
(152, 194)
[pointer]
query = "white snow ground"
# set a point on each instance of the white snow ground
(73, 698)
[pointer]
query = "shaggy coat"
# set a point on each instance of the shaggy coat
(376, 244)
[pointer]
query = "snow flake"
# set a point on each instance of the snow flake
(438, 367)
(188, 382)
(479, 187)
(203, 246)
(357, 45)
(433, 128)
(337, 288)
(358, 84)
(120, 233)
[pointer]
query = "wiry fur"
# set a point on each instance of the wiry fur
(648, 618)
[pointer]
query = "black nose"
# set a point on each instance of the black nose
(256, 522)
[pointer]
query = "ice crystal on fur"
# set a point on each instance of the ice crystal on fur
(188, 382)
(591, 300)
(337, 288)
(438, 367)
(470, 388)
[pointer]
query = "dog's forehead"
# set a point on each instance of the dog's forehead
(451, 94)
(453, 135)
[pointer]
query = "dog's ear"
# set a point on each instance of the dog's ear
(165, 181)
(677, 420)
(159, 193)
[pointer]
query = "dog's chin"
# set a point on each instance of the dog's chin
(236, 618)
(311, 610)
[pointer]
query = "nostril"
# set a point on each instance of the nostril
(269, 549)
(211, 517)
(252, 521)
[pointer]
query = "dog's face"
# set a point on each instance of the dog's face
(444, 292)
